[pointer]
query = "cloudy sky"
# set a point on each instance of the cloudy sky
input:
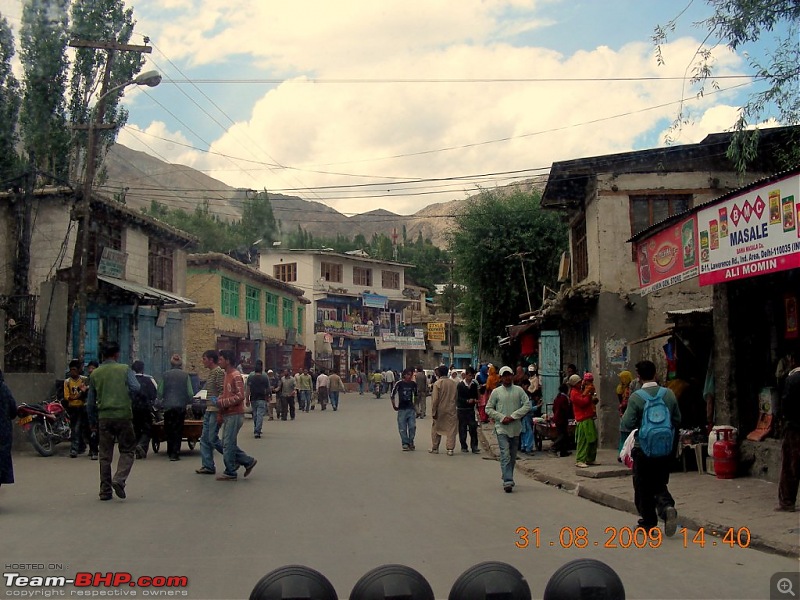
(397, 105)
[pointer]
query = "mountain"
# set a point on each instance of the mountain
(142, 178)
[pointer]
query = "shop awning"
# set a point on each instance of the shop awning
(147, 295)
(663, 333)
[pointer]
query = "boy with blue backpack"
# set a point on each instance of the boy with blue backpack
(653, 411)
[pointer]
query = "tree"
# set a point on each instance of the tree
(258, 221)
(735, 23)
(492, 228)
(9, 107)
(101, 21)
(43, 117)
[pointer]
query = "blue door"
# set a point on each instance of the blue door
(549, 363)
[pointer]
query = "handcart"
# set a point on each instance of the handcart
(545, 429)
(192, 430)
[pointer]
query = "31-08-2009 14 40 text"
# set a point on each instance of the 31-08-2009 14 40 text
(627, 537)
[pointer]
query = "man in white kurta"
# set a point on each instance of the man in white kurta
(444, 412)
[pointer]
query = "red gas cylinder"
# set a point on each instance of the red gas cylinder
(725, 455)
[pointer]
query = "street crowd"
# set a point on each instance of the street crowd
(114, 405)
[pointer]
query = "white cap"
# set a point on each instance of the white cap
(504, 370)
(531, 368)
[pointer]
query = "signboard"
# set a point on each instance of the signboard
(374, 300)
(753, 233)
(668, 257)
(436, 332)
(112, 263)
(347, 329)
(387, 341)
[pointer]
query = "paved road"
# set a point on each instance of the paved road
(334, 491)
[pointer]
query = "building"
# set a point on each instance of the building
(356, 310)
(240, 308)
(744, 247)
(599, 319)
(136, 273)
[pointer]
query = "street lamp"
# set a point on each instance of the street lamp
(149, 79)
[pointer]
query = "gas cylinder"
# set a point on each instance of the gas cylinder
(725, 455)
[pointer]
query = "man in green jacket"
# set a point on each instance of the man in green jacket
(109, 406)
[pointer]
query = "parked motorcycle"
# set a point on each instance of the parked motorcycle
(47, 424)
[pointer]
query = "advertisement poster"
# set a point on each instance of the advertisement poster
(762, 233)
(436, 332)
(668, 257)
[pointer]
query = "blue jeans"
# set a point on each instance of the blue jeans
(209, 440)
(233, 456)
(407, 425)
(259, 410)
(334, 398)
(304, 400)
(508, 457)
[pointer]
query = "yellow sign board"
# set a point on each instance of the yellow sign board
(436, 332)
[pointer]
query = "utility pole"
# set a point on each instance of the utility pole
(84, 278)
(524, 277)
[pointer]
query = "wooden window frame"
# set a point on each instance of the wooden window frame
(160, 266)
(331, 272)
(390, 280)
(362, 276)
(580, 250)
(285, 271)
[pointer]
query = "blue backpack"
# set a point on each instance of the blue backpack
(656, 433)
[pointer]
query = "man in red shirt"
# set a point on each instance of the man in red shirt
(231, 410)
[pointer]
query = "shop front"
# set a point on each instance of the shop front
(746, 245)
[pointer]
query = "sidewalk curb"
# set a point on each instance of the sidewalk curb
(585, 489)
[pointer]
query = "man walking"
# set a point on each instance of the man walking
(175, 393)
(286, 390)
(388, 380)
(231, 408)
(109, 406)
(422, 393)
(444, 413)
(406, 391)
(335, 387)
(653, 410)
(303, 381)
(790, 448)
(507, 405)
(209, 438)
(257, 391)
(143, 403)
(323, 383)
(465, 405)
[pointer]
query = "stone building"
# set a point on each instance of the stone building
(599, 319)
(240, 308)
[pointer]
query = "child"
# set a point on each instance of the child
(588, 390)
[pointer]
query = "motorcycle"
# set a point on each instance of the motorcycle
(47, 424)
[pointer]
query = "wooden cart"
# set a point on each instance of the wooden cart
(192, 430)
(545, 429)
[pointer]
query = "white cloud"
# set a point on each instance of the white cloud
(364, 128)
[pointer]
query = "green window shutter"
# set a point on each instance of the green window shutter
(288, 314)
(230, 298)
(252, 304)
(271, 309)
